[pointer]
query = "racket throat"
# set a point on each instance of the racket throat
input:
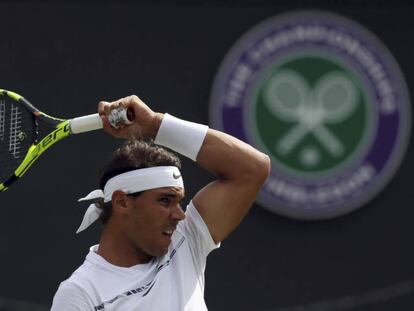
(8, 182)
(36, 150)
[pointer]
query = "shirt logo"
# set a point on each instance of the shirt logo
(326, 100)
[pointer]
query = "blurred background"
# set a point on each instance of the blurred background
(67, 56)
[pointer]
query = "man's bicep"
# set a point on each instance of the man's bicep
(71, 297)
(223, 204)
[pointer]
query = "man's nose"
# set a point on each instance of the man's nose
(178, 213)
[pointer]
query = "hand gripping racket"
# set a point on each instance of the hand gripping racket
(20, 142)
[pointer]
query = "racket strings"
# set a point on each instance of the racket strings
(17, 133)
(2, 118)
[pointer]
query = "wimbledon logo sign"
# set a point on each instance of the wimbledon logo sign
(325, 100)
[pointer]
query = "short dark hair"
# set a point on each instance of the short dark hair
(132, 155)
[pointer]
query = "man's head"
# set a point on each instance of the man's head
(144, 219)
(136, 154)
(132, 155)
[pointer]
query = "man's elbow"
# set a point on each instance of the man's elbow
(266, 166)
(261, 168)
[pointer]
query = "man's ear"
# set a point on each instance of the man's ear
(119, 202)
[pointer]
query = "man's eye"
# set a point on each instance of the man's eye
(164, 200)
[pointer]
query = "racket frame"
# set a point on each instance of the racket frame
(62, 130)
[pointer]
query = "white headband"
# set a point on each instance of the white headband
(131, 182)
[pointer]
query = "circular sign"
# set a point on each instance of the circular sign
(325, 100)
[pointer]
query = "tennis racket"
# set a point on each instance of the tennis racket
(20, 141)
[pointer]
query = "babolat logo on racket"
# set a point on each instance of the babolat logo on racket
(326, 100)
(52, 137)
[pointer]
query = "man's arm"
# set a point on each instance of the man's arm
(240, 169)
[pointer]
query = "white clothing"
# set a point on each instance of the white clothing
(173, 282)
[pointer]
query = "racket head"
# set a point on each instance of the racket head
(20, 141)
(18, 130)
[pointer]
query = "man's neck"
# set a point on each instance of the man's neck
(115, 248)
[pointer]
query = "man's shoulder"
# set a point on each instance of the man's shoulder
(69, 286)
(77, 287)
(196, 231)
(81, 276)
(71, 296)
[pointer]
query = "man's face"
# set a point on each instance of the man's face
(153, 219)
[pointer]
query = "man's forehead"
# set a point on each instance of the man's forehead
(176, 191)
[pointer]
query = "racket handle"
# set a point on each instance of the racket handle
(94, 122)
(86, 123)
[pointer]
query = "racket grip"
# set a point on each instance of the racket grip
(86, 123)
(94, 122)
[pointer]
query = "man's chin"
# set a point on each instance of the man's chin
(160, 252)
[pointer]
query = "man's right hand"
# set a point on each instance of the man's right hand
(145, 123)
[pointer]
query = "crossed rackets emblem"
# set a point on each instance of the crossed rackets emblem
(331, 100)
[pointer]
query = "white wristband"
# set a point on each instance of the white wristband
(181, 136)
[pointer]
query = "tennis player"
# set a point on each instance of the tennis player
(152, 255)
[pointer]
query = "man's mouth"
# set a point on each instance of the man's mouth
(168, 232)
